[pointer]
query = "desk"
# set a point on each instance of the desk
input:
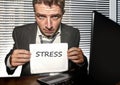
(29, 80)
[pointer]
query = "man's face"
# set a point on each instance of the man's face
(48, 18)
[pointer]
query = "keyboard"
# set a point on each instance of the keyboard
(60, 79)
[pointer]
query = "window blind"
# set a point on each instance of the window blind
(12, 13)
(18, 12)
(118, 11)
(79, 15)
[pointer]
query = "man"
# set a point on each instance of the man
(48, 26)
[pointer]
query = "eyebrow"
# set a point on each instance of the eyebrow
(39, 14)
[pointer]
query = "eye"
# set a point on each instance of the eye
(40, 16)
(55, 17)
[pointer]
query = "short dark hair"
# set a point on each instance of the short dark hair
(60, 3)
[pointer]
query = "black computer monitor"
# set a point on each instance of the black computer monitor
(104, 66)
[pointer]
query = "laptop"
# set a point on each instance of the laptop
(104, 67)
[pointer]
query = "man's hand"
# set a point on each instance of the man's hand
(19, 57)
(75, 54)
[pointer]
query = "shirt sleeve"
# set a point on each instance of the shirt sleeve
(9, 65)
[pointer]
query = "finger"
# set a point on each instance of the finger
(73, 53)
(21, 51)
(76, 59)
(74, 49)
(16, 62)
(72, 57)
(22, 56)
(21, 60)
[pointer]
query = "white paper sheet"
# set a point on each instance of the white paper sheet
(47, 58)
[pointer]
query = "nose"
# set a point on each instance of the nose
(49, 23)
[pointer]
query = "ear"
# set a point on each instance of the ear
(63, 12)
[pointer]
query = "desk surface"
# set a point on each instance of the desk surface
(29, 80)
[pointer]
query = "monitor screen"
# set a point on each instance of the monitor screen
(104, 64)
